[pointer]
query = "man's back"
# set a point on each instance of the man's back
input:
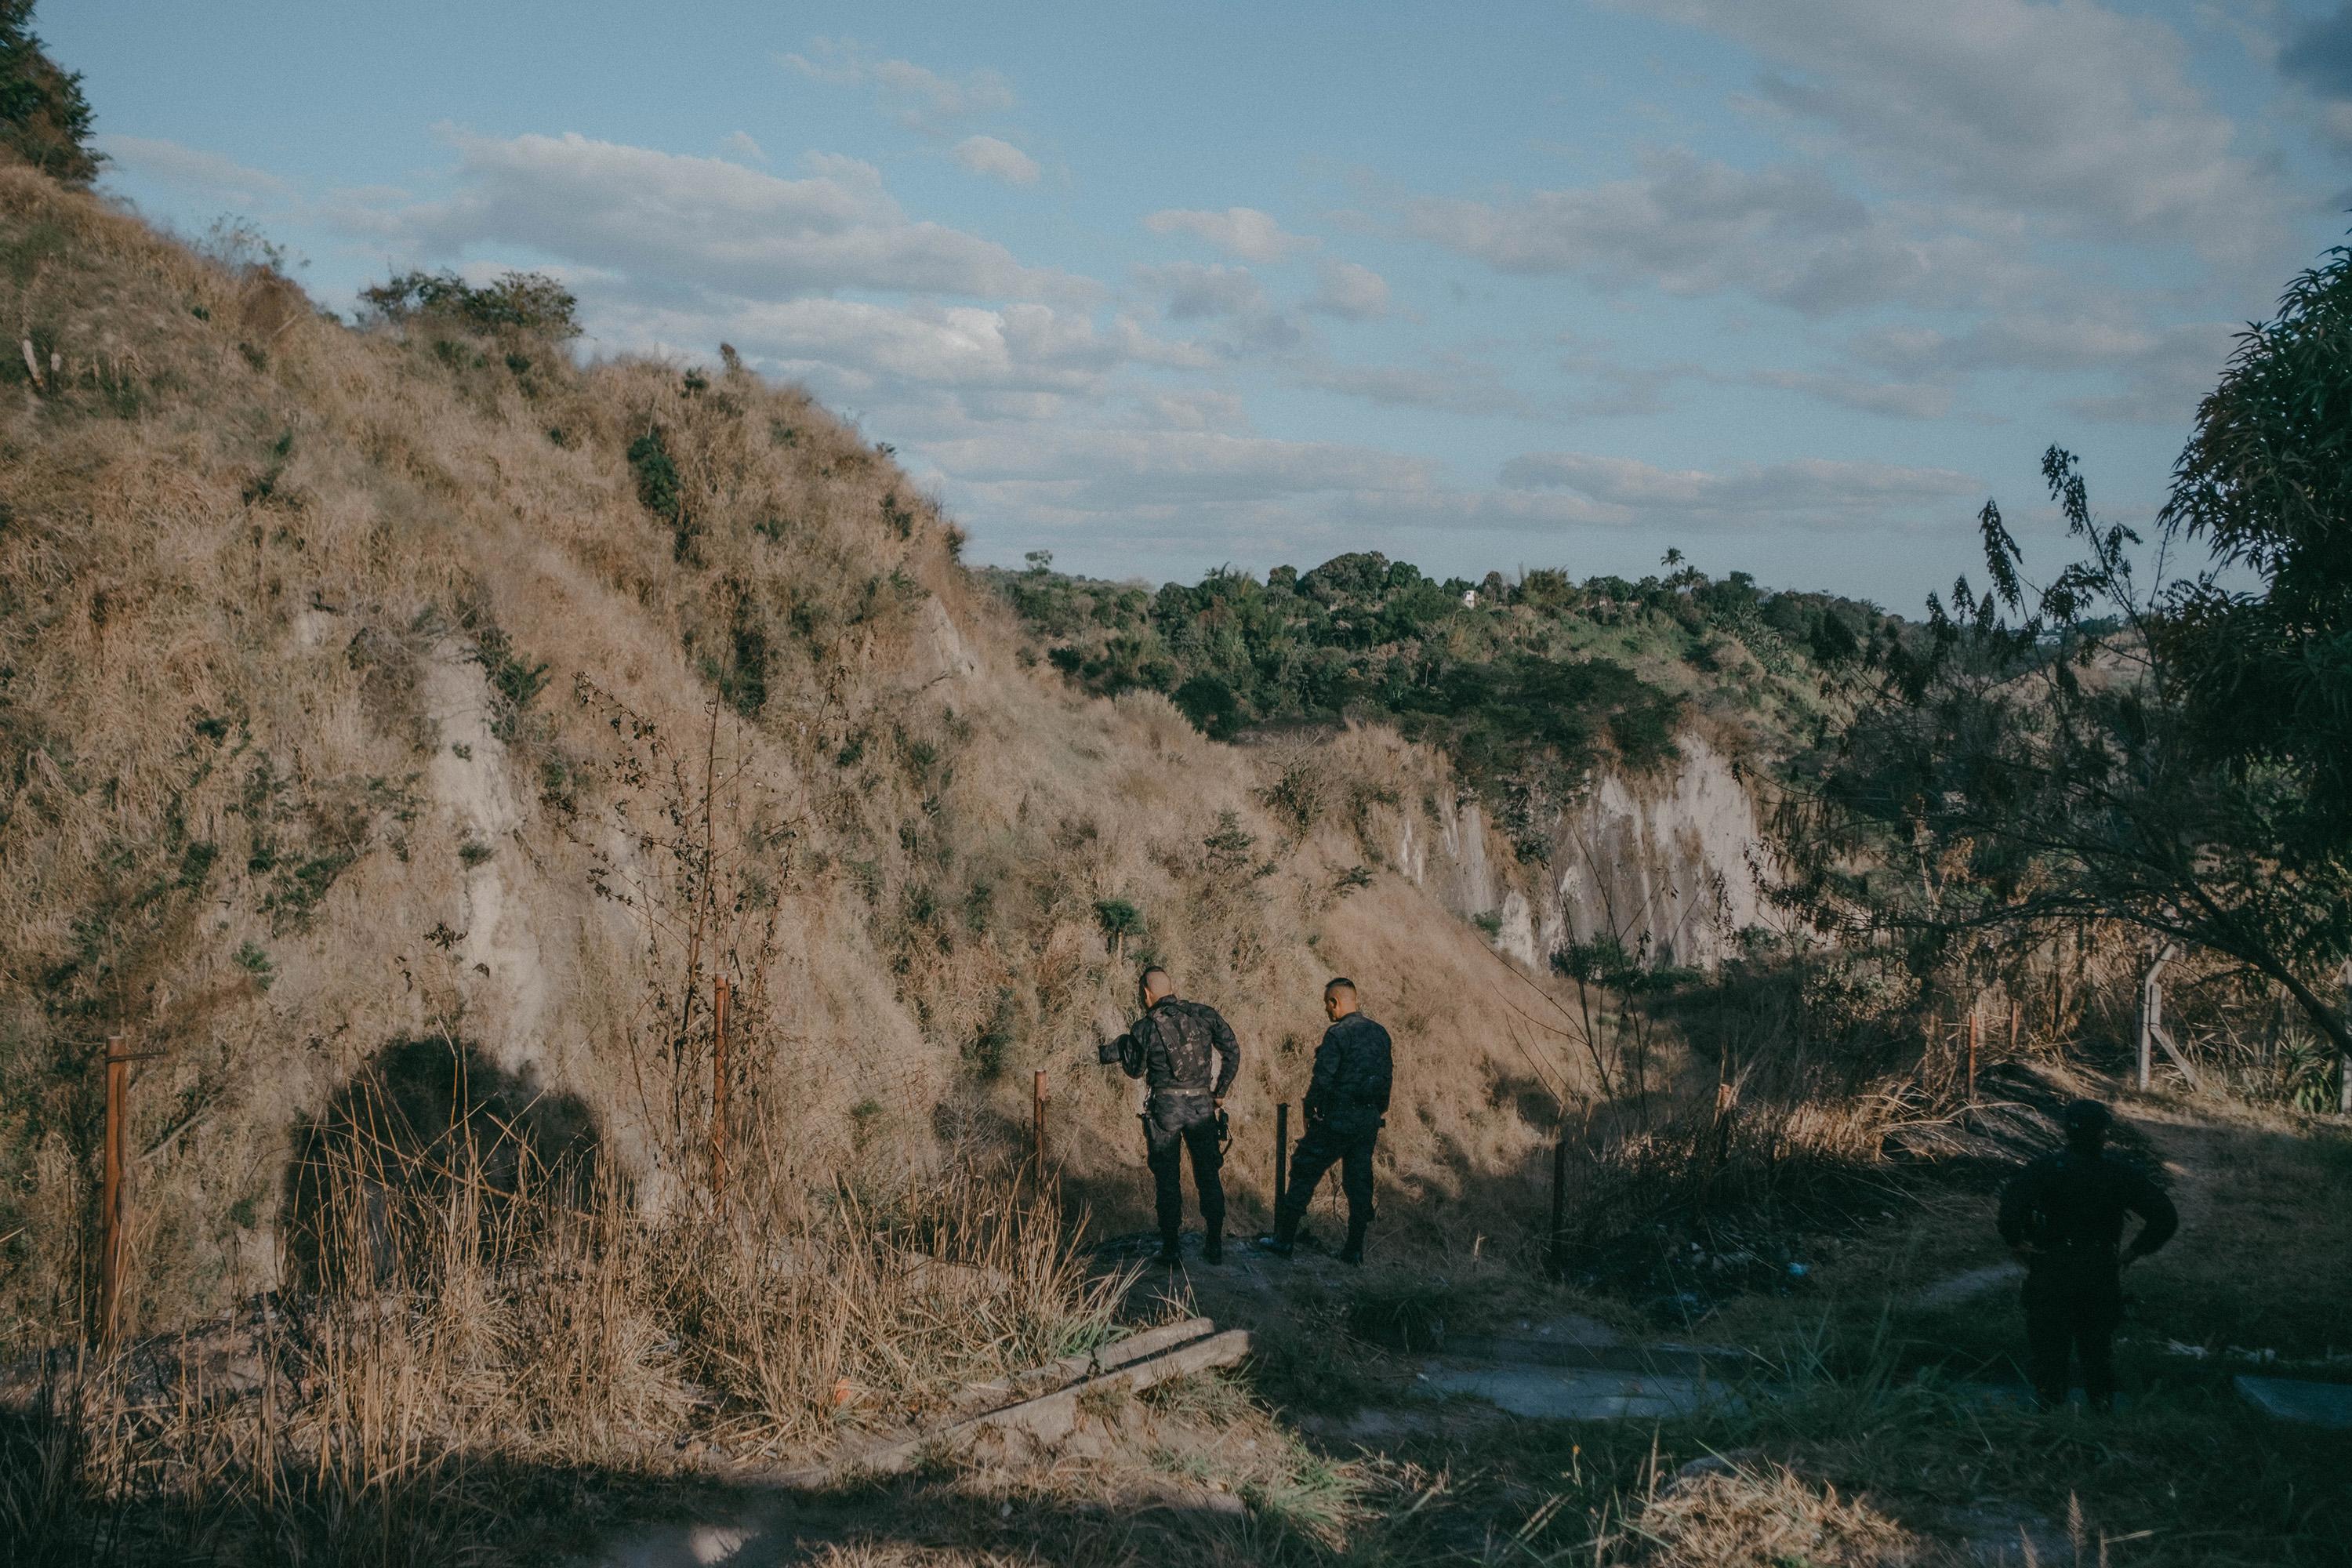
(1354, 1071)
(1171, 1046)
(2073, 1204)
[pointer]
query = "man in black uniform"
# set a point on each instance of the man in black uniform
(2064, 1214)
(1170, 1048)
(1347, 1101)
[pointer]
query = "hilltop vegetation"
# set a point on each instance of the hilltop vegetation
(1529, 684)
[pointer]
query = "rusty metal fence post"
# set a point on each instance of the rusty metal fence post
(114, 1198)
(718, 1087)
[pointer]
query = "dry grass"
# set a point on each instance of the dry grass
(1767, 1514)
(353, 695)
(470, 1347)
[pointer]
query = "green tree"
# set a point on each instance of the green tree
(43, 119)
(2171, 756)
(2265, 483)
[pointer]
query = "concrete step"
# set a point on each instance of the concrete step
(1579, 1394)
(2298, 1400)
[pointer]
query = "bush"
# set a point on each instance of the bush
(1211, 705)
(1119, 920)
(528, 302)
(660, 490)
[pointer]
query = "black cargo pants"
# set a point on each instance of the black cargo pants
(1325, 1144)
(1172, 1126)
(2072, 1310)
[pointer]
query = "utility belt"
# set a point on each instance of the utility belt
(1171, 1110)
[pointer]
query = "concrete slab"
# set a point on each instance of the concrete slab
(1965, 1287)
(2294, 1399)
(1578, 1394)
(1609, 1354)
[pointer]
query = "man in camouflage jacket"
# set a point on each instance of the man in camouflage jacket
(1186, 1056)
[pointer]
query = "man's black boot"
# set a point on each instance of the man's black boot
(1171, 1253)
(1286, 1232)
(1353, 1253)
(1213, 1247)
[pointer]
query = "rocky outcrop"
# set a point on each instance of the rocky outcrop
(1669, 867)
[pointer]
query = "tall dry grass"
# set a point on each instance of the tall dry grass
(356, 696)
(470, 1355)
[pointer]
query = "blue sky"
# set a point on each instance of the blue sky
(1792, 285)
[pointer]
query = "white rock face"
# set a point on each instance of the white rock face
(1666, 866)
(504, 972)
(950, 658)
(1675, 868)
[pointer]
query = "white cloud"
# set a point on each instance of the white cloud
(1243, 233)
(743, 145)
(1786, 235)
(2318, 58)
(1896, 399)
(1345, 290)
(1204, 410)
(193, 168)
(1452, 382)
(705, 222)
(1030, 347)
(996, 160)
(921, 99)
(2087, 117)
(1806, 493)
(1620, 390)
(2159, 371)
(1194, 290)
(1097, 469)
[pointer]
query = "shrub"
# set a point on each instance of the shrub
(528, 302)
(255, 963)
(514, 683)
(1230, 847)
(659, 488)
(1119, 920)
(1211, 705)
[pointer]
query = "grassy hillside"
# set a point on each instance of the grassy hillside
(360, 688)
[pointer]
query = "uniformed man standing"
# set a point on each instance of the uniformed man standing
(1171, 1049)
(2063, 1216)
(1347, 1101)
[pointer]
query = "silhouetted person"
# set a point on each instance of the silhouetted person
(1346, 1103)
(2064, 1214)
(1171, 1048)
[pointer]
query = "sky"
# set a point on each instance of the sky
(1792, 285)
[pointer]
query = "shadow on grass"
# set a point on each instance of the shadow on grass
(462, 1509)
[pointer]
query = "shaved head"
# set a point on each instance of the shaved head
(1156, 985)
(1339, 997)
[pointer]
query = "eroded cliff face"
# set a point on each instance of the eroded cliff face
(1669, 867)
